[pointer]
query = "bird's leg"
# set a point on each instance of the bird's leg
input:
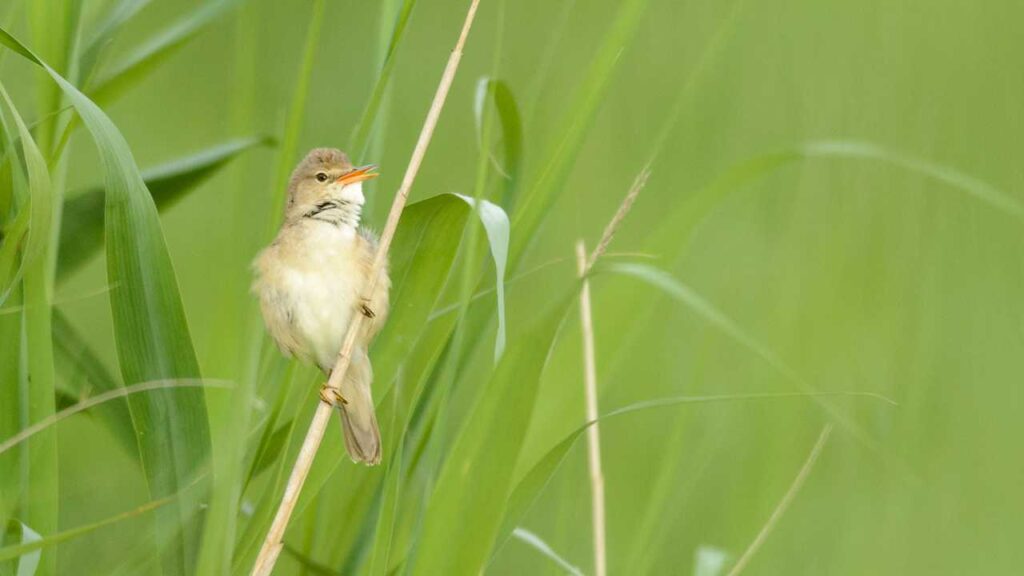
(364, 307)
(331, 397)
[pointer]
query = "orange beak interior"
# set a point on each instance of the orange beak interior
(358, 175)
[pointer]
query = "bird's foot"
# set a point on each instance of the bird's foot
(331, 397)
(364, 307)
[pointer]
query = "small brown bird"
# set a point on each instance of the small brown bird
(311, 279)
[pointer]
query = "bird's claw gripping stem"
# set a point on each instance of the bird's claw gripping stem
(364, 307)
(331, 397)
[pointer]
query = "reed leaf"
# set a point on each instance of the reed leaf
(360, 139)
(82, 232)
(536, 203)
(511, 131)
(146, 58)
(150, 330)
(470, 495)
(39, 505)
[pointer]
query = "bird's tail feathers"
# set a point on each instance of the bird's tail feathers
(358, 419)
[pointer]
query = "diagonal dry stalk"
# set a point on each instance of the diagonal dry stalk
(783, 504)
(274, 541)
(583, 267)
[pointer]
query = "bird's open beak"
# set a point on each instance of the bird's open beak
(358, 175)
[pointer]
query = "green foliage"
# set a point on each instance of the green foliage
(82, 234)
(35, 400)
(152, 335)
(830, 236)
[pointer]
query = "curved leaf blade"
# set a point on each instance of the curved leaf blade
(497, 227)
(81, 232)
(511, 130)
(41, 493)
(471, 492)
(150, 329)
(144, 59)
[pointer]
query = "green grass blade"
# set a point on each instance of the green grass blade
(678, 227)
(535, 205)
(104, 34)
(82, 231)
(469, 499)
(496, 226)
(144, 59)
(711, 314)
(151, 333)
(11, 263)
(27, 564)
(529, 487)
(511, 130)
(103, 399)
(20, 550)
(360, 138)
(39, 506)
(537, 543)
(296, 113)
(974, 187)
(84, 373)
(10, 410)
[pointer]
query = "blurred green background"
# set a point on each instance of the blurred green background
(865, 273)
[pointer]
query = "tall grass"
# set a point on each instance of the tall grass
(829, 239)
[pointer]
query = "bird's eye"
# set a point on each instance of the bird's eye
(321, 177)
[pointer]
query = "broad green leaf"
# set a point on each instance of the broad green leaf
(402, 505)
(511, 130)
(82, 230)
(144, 59)
(151, 333)
(421, 257)
(496, 225)
(274, 449)
(41, 495)
(422, 254)
(470, 495)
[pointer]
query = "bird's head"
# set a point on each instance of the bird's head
(325, 186)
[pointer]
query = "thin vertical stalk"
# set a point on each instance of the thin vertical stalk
(593, 433)
(583, 266)
(274, 541)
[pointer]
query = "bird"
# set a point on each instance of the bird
(310, 282)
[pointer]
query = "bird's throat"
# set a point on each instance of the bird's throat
(335, 211)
